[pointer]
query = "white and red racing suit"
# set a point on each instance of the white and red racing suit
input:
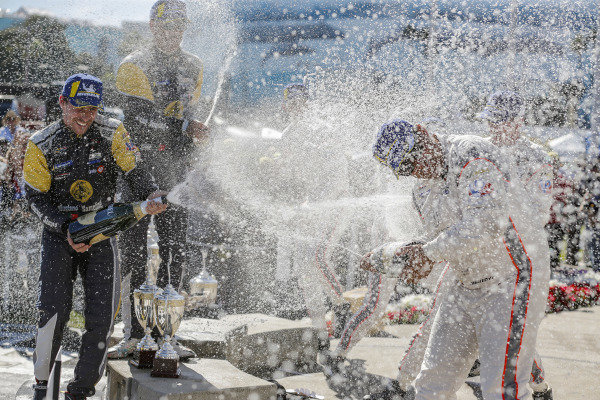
(498, 256)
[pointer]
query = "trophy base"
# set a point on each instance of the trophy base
(143, 359)
(165, 368)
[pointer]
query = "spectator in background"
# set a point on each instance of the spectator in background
(564, 219)
(14, 206)
(10, 128)
(589, 208)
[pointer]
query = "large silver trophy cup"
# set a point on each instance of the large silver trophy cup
(168, 313)
(143, 304)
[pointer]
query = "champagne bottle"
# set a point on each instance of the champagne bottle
(102, 224)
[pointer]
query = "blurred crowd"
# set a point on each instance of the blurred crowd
(573, 229)
(13, 142)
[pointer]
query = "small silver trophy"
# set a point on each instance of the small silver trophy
(143, 304)
(203, 287)
(168, 313)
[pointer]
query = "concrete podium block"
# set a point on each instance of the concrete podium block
(204, 379)
(209, 337)
(272, 343)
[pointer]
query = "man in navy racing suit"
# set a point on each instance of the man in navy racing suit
(71, 168)
(160, 87)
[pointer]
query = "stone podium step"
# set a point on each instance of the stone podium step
(201, 379)
(258, 344)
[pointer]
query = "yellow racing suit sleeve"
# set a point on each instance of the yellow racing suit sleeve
(35, 169)
(132, 81)
(39, 179)
(198, 89)
(124, 152)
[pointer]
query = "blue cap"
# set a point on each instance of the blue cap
(295, 90)
(395, 142)
(169, 11)
(82, 90)
(502, 106)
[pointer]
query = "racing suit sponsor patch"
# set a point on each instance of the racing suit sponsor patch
(63, 165)
(479, 189)
(546, 185)
(81, 190)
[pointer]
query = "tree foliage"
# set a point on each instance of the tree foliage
(35, 50)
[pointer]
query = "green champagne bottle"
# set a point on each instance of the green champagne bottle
(102, 224)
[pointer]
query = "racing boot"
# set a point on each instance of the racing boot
(393, 391)
(184, 353)
(39, 390)
(323, 342)
(73, 396)
(545, 395)
(332, 364)
(123, 349)
(475, 369)
(341, 314)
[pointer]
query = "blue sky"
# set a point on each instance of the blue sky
(101, 12)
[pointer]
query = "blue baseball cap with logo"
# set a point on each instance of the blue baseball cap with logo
(502, 106)
(295, 91)
(395, 146)
(169, 12)
(83, 90)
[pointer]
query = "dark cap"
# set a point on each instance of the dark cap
(82, 90)
(294, 91)
(502, 106)
(169, 11)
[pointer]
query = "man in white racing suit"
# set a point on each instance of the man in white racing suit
(497, 255)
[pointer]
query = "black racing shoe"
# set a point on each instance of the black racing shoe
(332, 365)
(40, 389)
(475, 369)
(393, 391)
(74, 396)
(323, 343)
(545, 395)
(341, 314)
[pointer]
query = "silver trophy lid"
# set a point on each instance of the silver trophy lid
(148, 287)
(169, 294)
(203, 277)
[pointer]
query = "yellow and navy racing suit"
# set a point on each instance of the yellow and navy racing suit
(159, 94)
(66, 176)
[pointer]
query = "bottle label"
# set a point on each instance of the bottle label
(140, 210)
(87, 219)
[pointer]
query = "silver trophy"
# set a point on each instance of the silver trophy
(168, 313)
(203, 287)
(143, 304)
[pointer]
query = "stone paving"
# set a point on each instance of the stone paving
(569, 345)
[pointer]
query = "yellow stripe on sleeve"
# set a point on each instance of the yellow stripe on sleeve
(123, 151)
(35, 169)
(198, 90)
(132, 81)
